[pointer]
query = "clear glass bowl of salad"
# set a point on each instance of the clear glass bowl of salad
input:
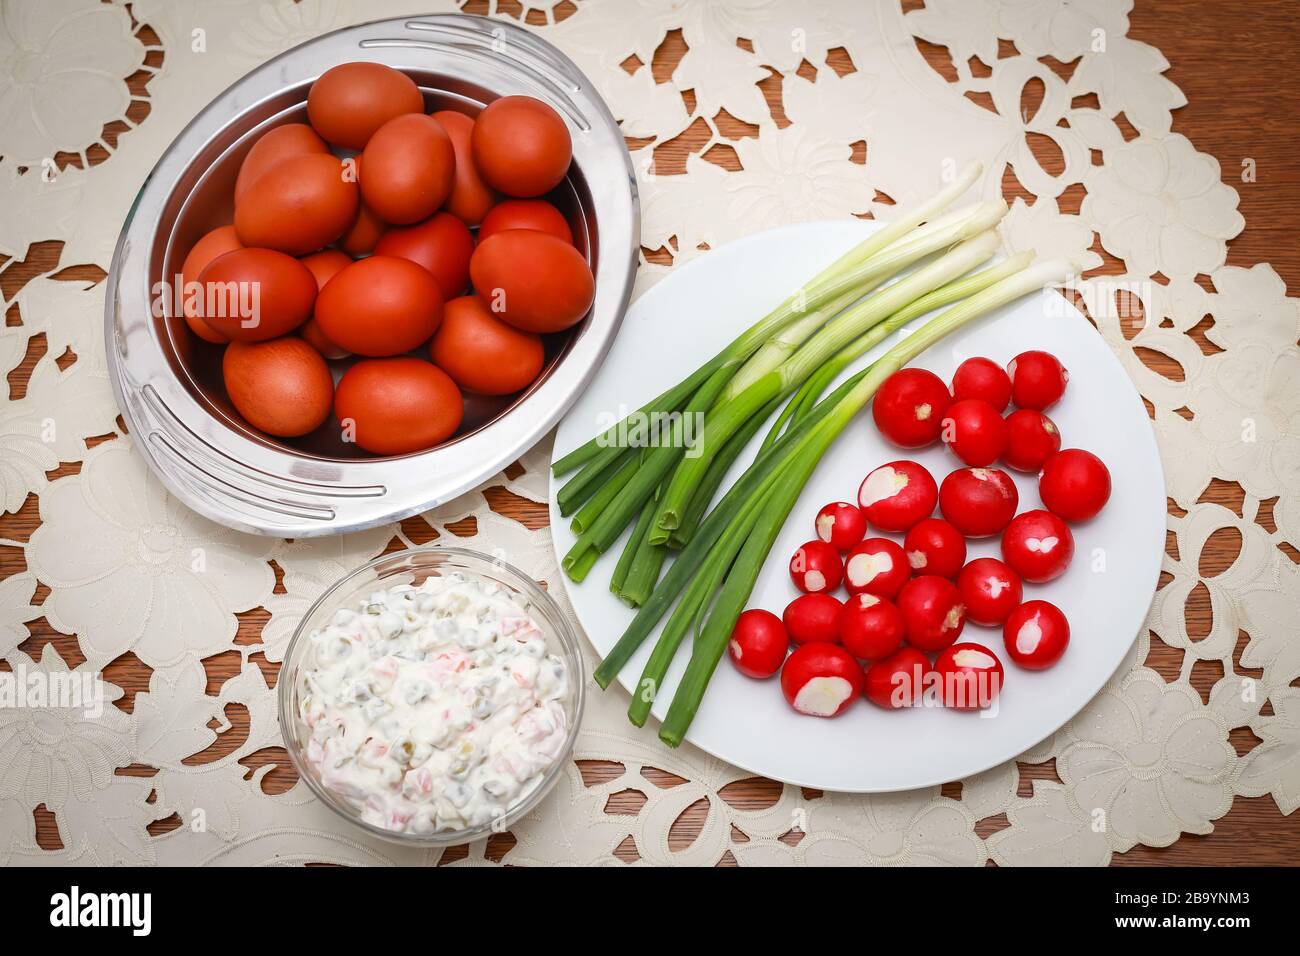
(432, 697)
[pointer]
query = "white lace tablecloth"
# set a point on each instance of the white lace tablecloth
(1145, 762)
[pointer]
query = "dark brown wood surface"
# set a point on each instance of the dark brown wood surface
(1236, 61)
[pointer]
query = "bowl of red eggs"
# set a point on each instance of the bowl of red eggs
(370, 275)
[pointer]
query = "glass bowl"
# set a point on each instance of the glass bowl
(413, 567)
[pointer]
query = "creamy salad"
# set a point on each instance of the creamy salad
(435, 707)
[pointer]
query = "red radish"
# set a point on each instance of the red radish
(813, 617)
(1038, 546)
(1036, 635)
(978, 501)
(933, 612)
(974, 431)
(877, 566)
(1037, 380)
(758, 644)
(934, 546)
(1032, 438)
(897, 495)
(871, 627)
(971, 676)
(841, 524)
(1075, 484)
(821, 680)
(898, 680)
(989, 589)
(983, 379)
(816, 567)
(909, 406)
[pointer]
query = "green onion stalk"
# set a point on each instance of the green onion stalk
(705, 565)
(624, 566)
(694, 602)
(599, 458)
(713, 478)
(627, 467)
(655, 463)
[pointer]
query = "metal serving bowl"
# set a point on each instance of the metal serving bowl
(168, 384)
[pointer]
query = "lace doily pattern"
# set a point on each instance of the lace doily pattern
(740, 116)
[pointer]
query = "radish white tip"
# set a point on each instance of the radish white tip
(972, 656)
(1029, 636)
(822, 696)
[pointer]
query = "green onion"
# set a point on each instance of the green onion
(580, 568)
(647, 562)
(609, 439)
(624, 565)
(602, 497)
(656, 462)
(588, 481)
(732, 414)
(712, 479)
(694, 603)
(712, 641)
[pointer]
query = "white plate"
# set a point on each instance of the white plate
(694, 312)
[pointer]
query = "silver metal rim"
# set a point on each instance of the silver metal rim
(261, 488)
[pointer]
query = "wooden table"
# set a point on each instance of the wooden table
(1242, 86)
